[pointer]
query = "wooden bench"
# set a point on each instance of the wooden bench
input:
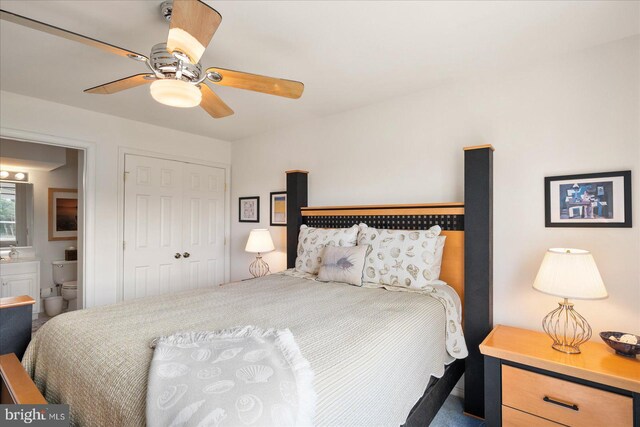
(16, 386)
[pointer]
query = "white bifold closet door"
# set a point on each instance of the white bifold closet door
(173, 226)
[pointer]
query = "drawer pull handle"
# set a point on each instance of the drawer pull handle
(561, 403)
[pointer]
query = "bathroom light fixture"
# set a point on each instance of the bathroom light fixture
(14, 176)
(568, 273)
(176, 93)
(259, 242)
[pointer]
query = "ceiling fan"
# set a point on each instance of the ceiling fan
(176, 75)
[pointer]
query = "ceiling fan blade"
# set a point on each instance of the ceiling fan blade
(212, 103)
(69, 35)
(193, 24)
(257, 83)
(122, 84)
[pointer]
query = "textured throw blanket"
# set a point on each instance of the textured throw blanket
(241, 376)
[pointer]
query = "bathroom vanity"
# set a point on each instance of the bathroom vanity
(21, 277)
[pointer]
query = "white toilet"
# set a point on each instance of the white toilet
(65, 273)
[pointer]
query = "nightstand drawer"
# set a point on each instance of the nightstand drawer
(563, 401)
(514, 418)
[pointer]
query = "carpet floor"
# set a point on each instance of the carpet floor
(37, 323)
(450, 415)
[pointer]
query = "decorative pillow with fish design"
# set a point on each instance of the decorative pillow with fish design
(408, 258)
(342, 264)
(312, 241)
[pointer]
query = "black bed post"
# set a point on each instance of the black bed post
(297, 197)
(478, 270)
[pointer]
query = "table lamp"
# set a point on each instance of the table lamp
(568, 273)
(259, 242)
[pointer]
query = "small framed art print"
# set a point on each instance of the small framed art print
(278, 208)
(249, 209)
(588, 200)
(63, 214)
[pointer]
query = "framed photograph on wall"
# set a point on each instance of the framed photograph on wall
(63, 214)
(588, 200)
(249, 209)
(278, 214)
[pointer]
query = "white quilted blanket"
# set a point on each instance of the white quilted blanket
(241, 376)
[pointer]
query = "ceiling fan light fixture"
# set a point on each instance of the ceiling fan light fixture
(184, 42)
(176, 93)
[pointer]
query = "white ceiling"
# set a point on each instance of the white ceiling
(348, 54)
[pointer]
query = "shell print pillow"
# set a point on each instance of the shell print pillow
(312, 241)
(407, 258)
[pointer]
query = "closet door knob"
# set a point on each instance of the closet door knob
(177, 255)
(186, 254)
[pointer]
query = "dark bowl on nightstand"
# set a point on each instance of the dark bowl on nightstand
(621, 348)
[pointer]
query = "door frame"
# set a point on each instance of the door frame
(122, 152)
(89, 202)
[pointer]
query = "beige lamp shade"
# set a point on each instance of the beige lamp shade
(570, 273)
(259, 241)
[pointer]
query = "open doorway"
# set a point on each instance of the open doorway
(42, 225)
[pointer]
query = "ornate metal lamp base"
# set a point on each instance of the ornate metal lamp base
(259, 268)
(567, 328)
(569, 349)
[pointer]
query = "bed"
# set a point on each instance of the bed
(356, 340)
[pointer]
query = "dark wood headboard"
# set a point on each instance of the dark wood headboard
(468, 258)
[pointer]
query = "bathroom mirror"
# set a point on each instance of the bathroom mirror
(16, 214)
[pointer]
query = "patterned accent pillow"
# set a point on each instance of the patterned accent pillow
(311, 242)
(342, 264)
(409, 258)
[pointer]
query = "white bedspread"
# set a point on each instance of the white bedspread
(372, 350)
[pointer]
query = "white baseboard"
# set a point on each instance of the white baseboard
(458, 391)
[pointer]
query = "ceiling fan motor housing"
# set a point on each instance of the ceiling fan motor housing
(169, 65)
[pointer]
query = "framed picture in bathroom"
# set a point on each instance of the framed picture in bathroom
(63, 214)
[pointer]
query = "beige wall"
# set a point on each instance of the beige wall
(576, 114)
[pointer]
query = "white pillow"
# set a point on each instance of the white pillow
(409, 258)
(342, 264)
(311, 242)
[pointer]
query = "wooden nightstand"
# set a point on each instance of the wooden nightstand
(528, 384)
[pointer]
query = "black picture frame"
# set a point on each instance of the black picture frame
(254, 215)
(272, 214)
(592, 200)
